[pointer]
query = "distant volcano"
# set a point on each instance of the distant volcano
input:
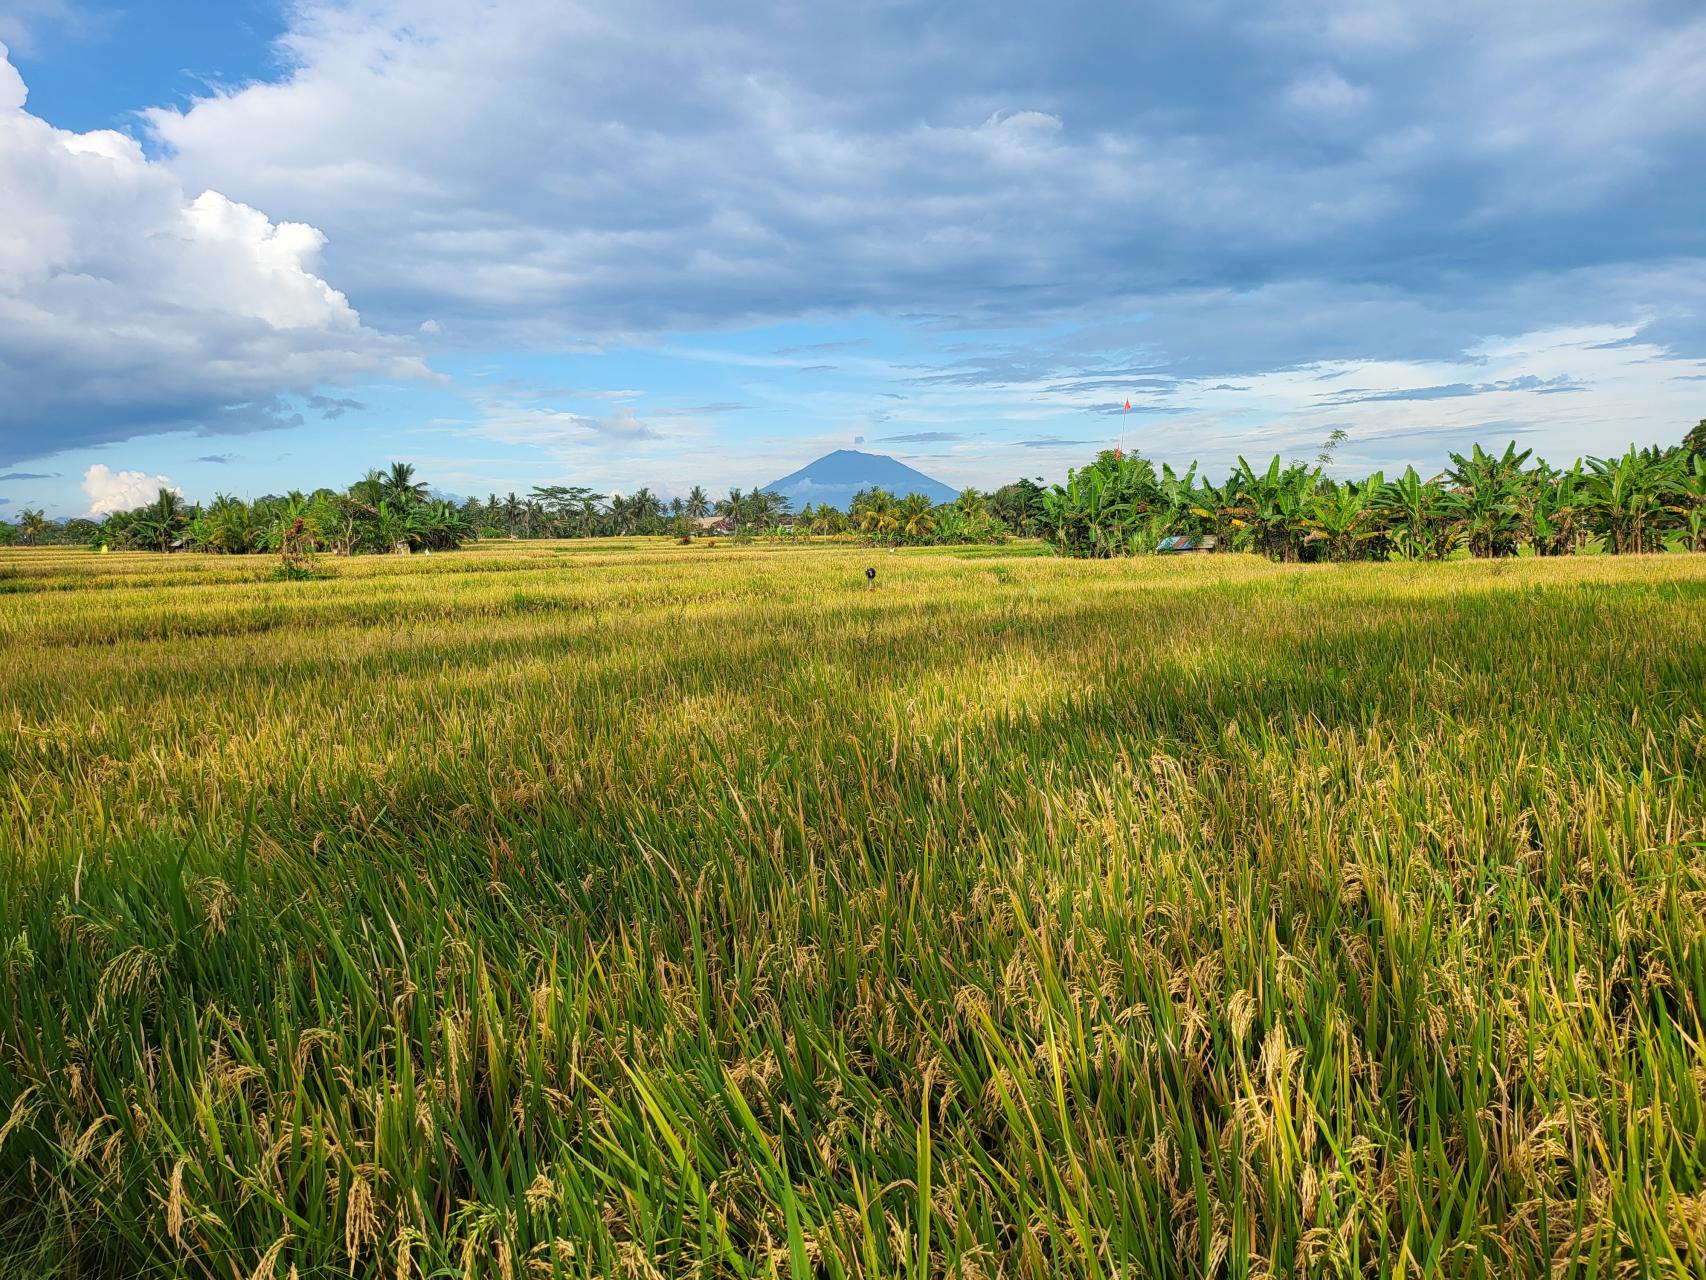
(836, 477)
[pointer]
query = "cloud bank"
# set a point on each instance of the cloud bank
(987, 165)
(128, 306)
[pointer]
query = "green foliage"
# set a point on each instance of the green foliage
(32, 525)
(913, 521)
(1483, 504)
(1694, 443)
(1488, 505)
(1016, 505)
(382, 512)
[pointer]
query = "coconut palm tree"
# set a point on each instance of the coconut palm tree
(401, 485)
(162, 521)
(229, 525)
(698, 504)
(916, 516)
(370, 489)
(732, 507)
(765, 506)
(874, 510)
(32, 524)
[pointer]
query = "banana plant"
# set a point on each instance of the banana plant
(1418, 523)
(1691, 495)
(1086, 516)
(1487, 499)
(1272, 505)
(1344, 519)
(1629, 496)
(1556, 510)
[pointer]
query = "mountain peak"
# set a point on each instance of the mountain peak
(838, 475)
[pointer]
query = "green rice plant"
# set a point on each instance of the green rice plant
(639, 909)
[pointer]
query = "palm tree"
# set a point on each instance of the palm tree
(874, 512)
(370, 489)
(698, 504)
(401, 485)
(766, 506)
(163, 519)
(644, 510)
(916, 516)
(731, 507)
(32, 523)
(229, 525)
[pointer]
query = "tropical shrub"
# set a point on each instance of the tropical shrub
(1486, 505)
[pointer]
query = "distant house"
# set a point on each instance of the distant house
(1180, 544)
(714, 524)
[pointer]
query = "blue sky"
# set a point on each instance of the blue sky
(257, 246)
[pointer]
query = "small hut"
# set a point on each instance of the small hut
(1181, 544)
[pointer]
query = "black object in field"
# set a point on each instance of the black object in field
(871, 578)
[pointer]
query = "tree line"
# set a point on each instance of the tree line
(383, 511)
(1482, 504)
(390, 511)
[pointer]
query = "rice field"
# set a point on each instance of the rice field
(637, 910)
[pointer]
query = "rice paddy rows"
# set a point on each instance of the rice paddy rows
(633, 909)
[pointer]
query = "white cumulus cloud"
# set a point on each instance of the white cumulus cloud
(110, 490)
(129, 306)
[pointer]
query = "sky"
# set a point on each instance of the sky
(260, 245)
